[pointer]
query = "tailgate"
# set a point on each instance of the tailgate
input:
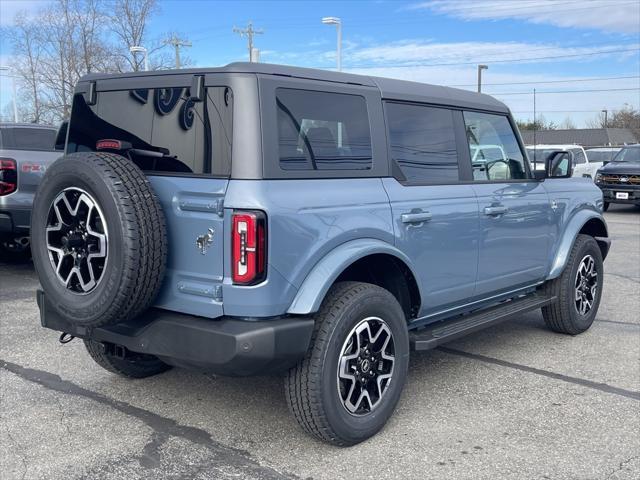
(193, 208)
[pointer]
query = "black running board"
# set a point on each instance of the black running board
(446, 330)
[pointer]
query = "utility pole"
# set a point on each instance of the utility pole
(177, 43)
(480, 68)
(606, 114)
(249, 32)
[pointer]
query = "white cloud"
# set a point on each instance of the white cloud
(618, 16)
(414, 60)
(415, 51)
(9, 9)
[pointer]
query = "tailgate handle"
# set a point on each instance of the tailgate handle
(415, 217)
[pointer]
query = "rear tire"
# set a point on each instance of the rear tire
(138, 366)
(357, 330)
(577, 301)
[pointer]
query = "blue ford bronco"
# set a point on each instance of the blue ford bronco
(259, 218)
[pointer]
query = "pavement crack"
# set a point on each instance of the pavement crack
(603, 387)
(21, 454)
(621, 465)
(163, 427)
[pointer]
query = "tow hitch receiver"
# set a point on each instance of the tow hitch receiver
(114, 350)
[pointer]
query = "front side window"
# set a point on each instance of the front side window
(322, 131)
(423, 144)
(160, 129)
(494, 149)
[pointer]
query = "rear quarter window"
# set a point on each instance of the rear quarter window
(322, 131)
(16, 138)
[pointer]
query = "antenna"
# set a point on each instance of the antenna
(249, 32)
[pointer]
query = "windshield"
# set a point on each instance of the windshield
(540, 154)
(601, 155)
(628, 155)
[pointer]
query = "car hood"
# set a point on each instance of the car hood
(621, 167)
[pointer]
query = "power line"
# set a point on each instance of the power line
(572, 80)
(571, 91)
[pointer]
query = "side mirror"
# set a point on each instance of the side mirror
(61, 136)
(196, 91)
(559, 164)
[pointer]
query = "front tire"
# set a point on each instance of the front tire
(578, 289)
(348, 384)
(605, 206)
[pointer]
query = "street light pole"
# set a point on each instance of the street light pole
(13, 88)
(338, 23)
(480, 68)
(135, 49)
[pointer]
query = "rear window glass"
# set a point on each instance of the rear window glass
(423, 143)
(322, 131)
(16, 138)
(160, 129)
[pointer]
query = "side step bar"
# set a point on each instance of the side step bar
(446, 330)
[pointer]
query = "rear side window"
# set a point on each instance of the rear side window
(494, 148)
(16, 138)
(423, 144)
(160, 129)
(322, 131)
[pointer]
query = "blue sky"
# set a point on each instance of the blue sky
(549, 45)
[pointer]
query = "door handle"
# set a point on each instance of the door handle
(496, 210)
(415, 217)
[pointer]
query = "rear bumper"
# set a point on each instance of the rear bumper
(15, 221)
(228, 346)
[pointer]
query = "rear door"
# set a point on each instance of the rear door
(184, 148)
(435, 216)
(515, 212)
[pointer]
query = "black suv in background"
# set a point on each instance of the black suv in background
(619, 179)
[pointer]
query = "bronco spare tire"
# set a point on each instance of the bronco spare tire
(98, 239)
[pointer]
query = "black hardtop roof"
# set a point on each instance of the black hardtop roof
(389, 88)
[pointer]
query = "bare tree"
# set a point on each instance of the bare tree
(567, 124)
(26, 38)
(129, 20)
(627, 117)
(70, 38)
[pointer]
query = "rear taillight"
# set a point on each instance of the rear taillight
(8, 176)
(248, 247)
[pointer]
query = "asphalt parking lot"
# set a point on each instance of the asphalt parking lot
(514, 401)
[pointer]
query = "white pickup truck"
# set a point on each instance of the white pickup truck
(582, 166)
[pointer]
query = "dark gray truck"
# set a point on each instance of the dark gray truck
(258, 218)
(26, 151)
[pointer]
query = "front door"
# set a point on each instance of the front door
(515, 212)
(435, 217)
